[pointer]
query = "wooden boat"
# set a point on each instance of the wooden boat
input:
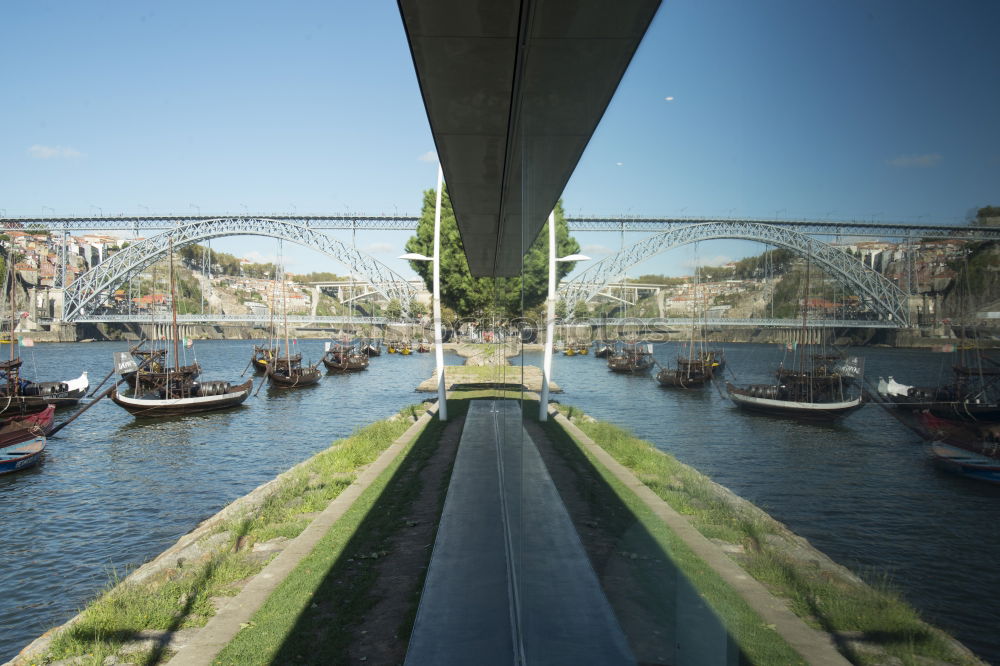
(603, 349)
(634, 359)
(344, 358)
(261, 358)
(972, 396)
(716, 359)
(288, 372)
(405, 349)
(183, 398)
(689, 373)
(574, 349)
(781, 401)
(371, 348)
(423, 348)
(174, 391)
(17, 429)
(21, 456)
(965, 463)
(21, 396)
(391, 348)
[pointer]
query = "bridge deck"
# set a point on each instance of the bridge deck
(509, 581)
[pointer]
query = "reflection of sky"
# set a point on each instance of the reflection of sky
(844, 110)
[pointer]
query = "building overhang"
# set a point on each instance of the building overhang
(514, 89)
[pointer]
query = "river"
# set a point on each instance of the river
(114, 492)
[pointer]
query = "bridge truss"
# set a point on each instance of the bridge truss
(888, 300)
(93, 289)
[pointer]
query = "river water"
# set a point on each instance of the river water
(114, 492)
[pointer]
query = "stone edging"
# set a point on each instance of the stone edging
(814, 646)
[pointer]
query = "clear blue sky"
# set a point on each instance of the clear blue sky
(846, 109)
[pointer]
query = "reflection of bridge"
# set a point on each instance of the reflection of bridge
(91, 291)
(685, 323)
(249, 318)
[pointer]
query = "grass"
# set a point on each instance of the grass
(179, 597)
(884, 626)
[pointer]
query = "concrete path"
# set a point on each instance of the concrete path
(509, 581)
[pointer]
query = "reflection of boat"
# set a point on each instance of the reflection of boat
(21, 456)
(371, 348)
(574, 349)
(344, 358)
(687, 374)
(423, 348)
(405, 349)
(16, 429)
(633, 358)
(971, 396)
(603, 349)
(155, 361)
(818, 386)
(965, 463)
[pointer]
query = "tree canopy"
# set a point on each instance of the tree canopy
(472, 296)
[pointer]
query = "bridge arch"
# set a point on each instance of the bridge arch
(93, 288)
(888, 300)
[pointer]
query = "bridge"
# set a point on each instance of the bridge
(91, 291)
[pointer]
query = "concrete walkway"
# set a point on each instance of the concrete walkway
(509, 581)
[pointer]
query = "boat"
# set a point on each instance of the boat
(181, 398)
(633, 359)
(343, 358)
(423, 348)
(404, 349)
(694, 370)
(154, 360)
(288, 371)
(21, 456)
(716, 359)
(173, 391)
(603, 349)
(818, 386)
(965, 463)
(261, 358)
(576, 349)
(15, 429)
(371, 348)
(972, 395)
(19, 396)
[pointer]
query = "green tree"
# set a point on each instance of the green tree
(580, 310)
(473, 296)
(393, 310)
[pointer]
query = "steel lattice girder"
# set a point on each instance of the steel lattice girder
(888, 299)
(93, 287)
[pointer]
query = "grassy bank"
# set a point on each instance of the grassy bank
(870, 623)
(181, 596)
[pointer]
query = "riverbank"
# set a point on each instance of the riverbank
(161, 606)
(164, 605)
(868, 622)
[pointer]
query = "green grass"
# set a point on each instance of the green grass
(179, 597)
(827, 601)
(313, 614)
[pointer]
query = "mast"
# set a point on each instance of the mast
(805, 314)
(173, 308)
(284, 312)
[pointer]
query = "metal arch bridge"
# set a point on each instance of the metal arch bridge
(888, 299)
(366, 222)
(92, 289)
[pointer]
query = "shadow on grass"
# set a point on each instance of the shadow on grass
(326, 627)
(664, 615)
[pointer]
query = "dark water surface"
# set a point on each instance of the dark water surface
(113, 492)
(862, 490)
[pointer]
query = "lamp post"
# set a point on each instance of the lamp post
(436, 298)
(550, 316)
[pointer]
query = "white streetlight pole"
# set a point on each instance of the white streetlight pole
(436, 297)
(550, 317)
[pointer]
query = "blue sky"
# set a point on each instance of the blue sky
(843, 109)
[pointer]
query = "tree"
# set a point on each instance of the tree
(472, 296)
(394, 310)
(580, 310)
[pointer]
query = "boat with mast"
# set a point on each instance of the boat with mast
(288, 371)
(20, 396)
(263, 356)
(633, 358)
(694, 370)
(173, 391)
(344, 357)
(818, 386)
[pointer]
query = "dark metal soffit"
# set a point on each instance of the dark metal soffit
(514, 90)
